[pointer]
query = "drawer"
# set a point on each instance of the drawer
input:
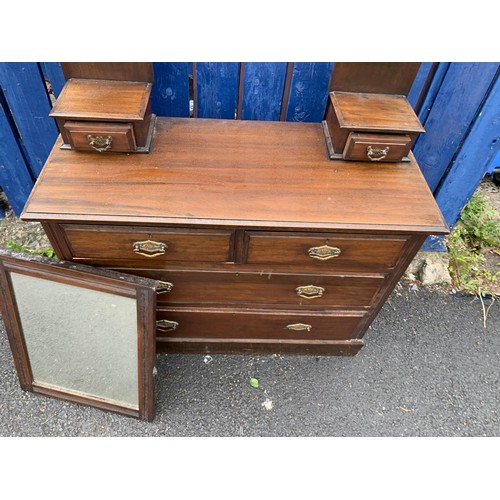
(130, 246)
(269, 290)
(255, 324)
(324, 252)
(100, 136)
(376, 147)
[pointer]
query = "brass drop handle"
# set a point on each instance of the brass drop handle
(165, 325)
(376, 154)
(299, 327)
(149, 248)
(164, 287)
(310, 291)
(324, 252)
(100, 143)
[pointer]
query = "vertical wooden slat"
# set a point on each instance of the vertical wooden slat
(241, 88)
(15, 176)
(217, 89)
(53, 72)
(419, 83)
(263, 90)
(286, 91)
(472, 161)
(432, 89)
(194, 91)
(26, 95)
(452, 113)
(170, 94)
(308, 91)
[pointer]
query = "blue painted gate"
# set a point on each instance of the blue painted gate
(458, 104)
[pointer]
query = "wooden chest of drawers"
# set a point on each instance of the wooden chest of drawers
(263, 243)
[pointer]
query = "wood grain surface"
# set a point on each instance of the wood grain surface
(241, 173)
(102, 100)
(375, 112)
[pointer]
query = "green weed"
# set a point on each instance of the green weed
(477, 231)
(45, 252)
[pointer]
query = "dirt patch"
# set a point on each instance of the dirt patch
(491, 193)
(27, 234)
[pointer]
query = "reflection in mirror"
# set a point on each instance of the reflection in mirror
(79, 340)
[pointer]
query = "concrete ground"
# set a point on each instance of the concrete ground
(429, 368)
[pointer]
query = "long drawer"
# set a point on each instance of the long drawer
(270, 289)
(255, 324)
(327, 252)
(152, 245)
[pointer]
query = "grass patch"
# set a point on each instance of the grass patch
(476, 235)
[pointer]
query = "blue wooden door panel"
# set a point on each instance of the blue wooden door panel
(454, 108)
(170, 94)
(54, 74)
(28, 101)
(263, 85)
(217, 89)
(15, 176)
(472, 161)
(308, 91)
(438, 76)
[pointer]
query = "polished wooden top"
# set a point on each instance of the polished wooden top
(241, 173)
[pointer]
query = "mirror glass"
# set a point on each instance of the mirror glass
(79, 340)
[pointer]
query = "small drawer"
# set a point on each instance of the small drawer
(256, 324)
(230, 289)
(376, 147)
(323, 252)
(123, 246)
(101, 136)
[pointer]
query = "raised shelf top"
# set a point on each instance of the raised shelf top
(240, 173)
(375, 112)
(102, 100)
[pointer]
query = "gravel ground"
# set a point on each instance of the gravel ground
(429, 368)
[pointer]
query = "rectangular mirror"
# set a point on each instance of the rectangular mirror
(80, 333)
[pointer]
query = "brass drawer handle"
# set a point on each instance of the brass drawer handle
(310, 291)
(299, 327)
(164, 287)
(149, 248)
(377, 154)
(324, 252)
(100, 143)
(166, 326)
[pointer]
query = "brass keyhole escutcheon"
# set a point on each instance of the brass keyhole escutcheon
(164, 287)
(149, 248)
(166, 325)
(100, 143)
(324, 252)
(299, 327)
(310, 291)
(376, 154)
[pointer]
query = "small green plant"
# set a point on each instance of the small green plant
(477, 232)
(478, 226)
(45, 252)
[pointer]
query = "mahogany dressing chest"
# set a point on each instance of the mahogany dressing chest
(261, 241)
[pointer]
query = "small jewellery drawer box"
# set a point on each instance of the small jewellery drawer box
(370, 127)
(105, 116)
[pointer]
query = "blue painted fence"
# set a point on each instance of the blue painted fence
(458, 104)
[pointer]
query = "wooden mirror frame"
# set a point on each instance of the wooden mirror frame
(143, 290)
